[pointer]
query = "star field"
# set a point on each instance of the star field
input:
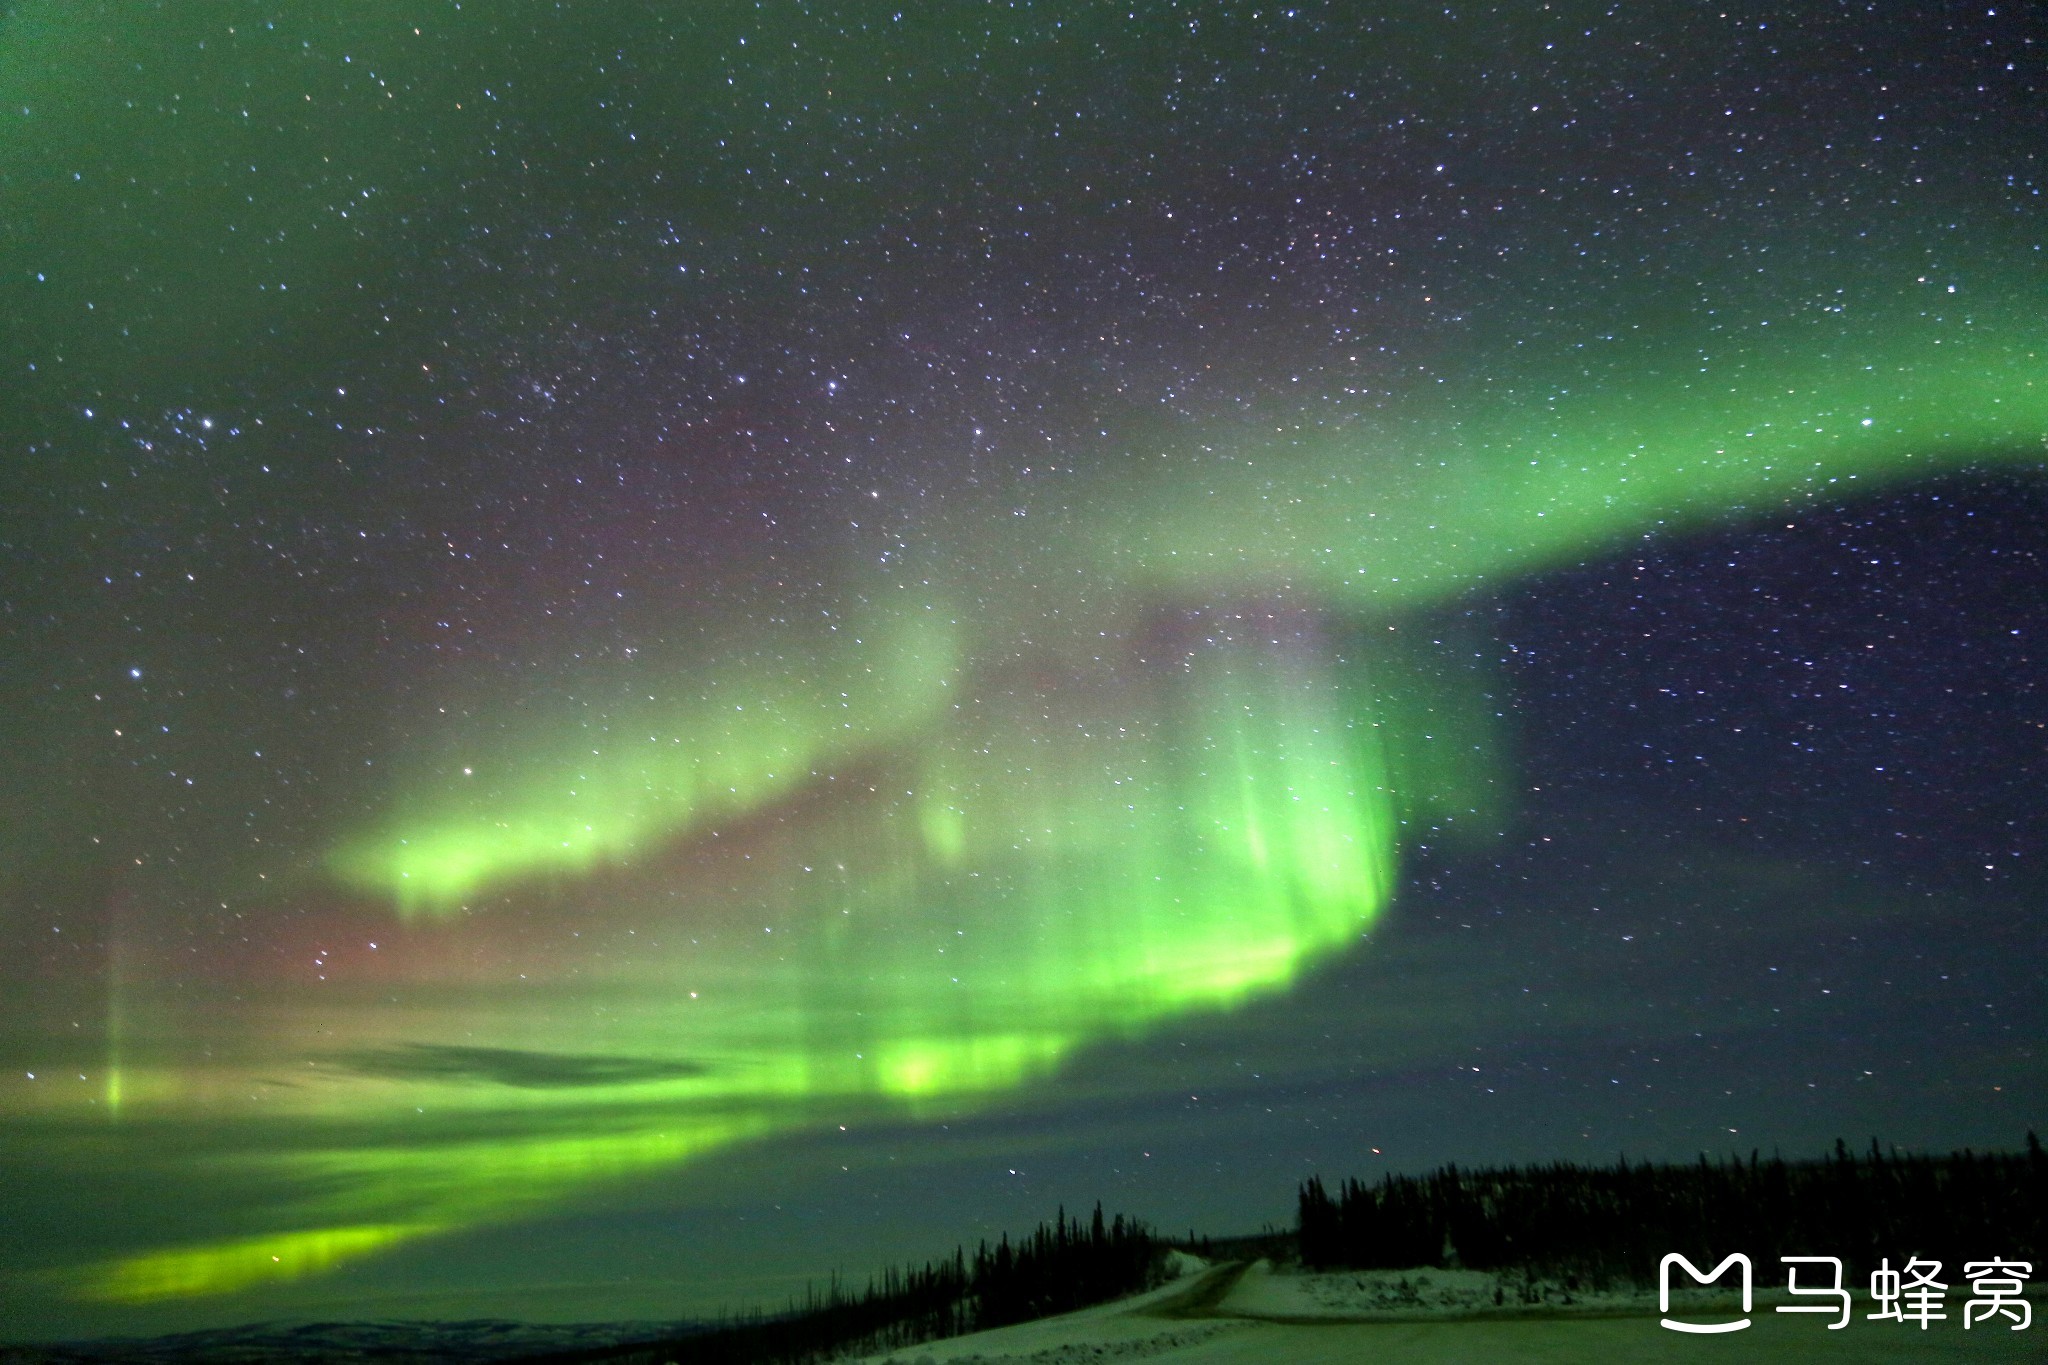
(842, 624)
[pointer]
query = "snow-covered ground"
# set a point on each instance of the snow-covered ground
(1423, 1295)
(1135, 1328)
(1430, 1316)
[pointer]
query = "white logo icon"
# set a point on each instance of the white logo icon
(1708, 1277)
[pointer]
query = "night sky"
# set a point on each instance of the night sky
(647, 651)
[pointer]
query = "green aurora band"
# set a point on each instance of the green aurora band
(1136, 743)
(1078, 865)
(1391, 516)
(1004, 854)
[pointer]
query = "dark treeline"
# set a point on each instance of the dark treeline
(1064, 1265)
(1615, 1224)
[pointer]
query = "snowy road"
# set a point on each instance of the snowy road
(1201, 1322)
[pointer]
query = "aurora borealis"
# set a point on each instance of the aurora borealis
(649, 651)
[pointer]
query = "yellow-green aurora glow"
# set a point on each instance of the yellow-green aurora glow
(992, 854)
(1071, 867)
(734, 744)
(594, 589)
(1394, 517)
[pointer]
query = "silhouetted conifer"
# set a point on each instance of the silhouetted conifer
(1574, 1222)
(1059, 1267)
